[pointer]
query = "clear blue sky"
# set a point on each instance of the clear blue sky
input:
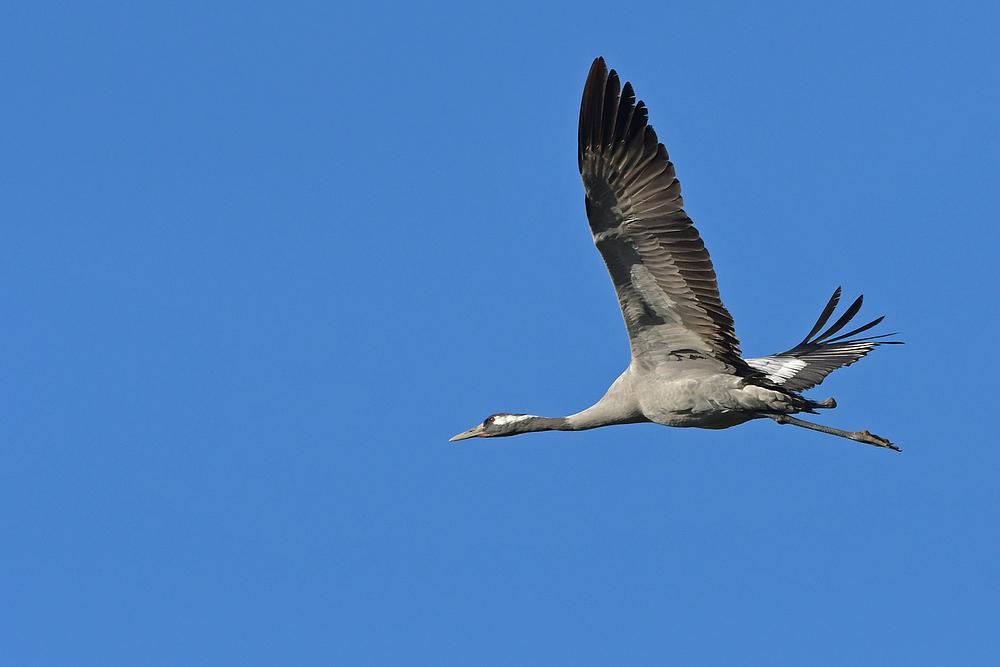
(261, 260)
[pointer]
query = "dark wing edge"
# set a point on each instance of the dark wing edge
(808, 363)
(671, 304)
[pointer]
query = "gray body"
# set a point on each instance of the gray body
(686, 369)
(682, 396)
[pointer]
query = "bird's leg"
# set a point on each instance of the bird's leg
(859, 436)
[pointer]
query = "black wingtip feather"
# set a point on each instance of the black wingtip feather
(844, 319)
(823, 339)
(611, 91)
(592, 106)
(857, 331)
(824, 316)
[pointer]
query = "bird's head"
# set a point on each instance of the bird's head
(497, 425)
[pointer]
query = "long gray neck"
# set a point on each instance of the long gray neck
(531, 424)
(593, 417)
(582, 421)
(618, 406)
(602, 415)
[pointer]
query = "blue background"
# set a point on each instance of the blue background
(261, 260)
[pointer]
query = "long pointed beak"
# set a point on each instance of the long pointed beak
(471, 433)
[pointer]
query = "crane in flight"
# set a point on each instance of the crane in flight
(686, 369)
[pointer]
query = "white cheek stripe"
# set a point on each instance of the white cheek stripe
(510, 419)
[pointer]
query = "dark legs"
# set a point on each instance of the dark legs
(859, 436)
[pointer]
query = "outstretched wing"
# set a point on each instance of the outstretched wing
(660, 268)
(808, 363)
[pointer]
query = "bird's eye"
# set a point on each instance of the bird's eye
(489, 420)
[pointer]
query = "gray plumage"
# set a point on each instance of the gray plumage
(686, 368)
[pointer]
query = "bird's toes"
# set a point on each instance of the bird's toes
(878, 441)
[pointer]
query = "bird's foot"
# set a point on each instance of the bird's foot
(872, 439)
